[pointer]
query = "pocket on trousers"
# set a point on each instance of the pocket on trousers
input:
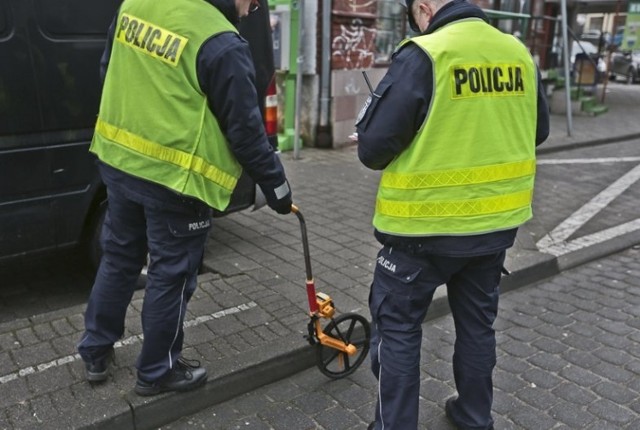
(393, 285)
(190, 225)
(397, 266)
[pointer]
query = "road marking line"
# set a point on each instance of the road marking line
(30, 370)
(555, 242)
(562, 248)
(587, 160)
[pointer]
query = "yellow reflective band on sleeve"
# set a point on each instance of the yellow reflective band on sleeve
(150, 39)
(455, 208)
(448, 178)
(155, 150)
(482, 80)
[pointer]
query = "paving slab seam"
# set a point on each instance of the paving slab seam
(550, 149)
(288, 356)
(298, 358)
(291, 355)
(248, 374)
(239, 370)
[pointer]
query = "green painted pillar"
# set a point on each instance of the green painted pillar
(286, 138)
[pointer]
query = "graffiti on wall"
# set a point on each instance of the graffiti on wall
(356, 6)
(353, 34)
(353, 47)
(362, 5)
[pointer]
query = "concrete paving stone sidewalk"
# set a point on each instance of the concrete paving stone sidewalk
(568, 358)
(247, 319)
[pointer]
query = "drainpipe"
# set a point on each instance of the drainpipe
(298, 94)
(615, 28)
(324, 133)
(567, 82)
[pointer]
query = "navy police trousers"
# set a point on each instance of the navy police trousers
(141, 218)
(401, 292)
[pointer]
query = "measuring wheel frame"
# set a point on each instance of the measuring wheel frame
(342, 345)
(352, 329)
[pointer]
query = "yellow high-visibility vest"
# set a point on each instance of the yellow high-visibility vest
(470, 168)
(154, 121)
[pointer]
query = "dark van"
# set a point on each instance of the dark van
(51, 196)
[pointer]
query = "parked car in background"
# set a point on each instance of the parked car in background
(597, 37)
(51, 196)
(626, 65)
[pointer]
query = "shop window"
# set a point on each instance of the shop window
(514, 26)
(390, 29)
(3, 20)
(596, 23)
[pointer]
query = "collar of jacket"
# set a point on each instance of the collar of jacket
(457, 9)
(228, 9)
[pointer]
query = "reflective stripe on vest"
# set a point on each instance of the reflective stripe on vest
(447, 178)
(160, 152)
(455, 208)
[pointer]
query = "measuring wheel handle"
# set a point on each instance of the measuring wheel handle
(343, 344)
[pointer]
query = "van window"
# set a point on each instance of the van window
(76, 17)
(18, 100)
(3, 20)
(68, 73)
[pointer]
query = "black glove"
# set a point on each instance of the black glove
(279, 198)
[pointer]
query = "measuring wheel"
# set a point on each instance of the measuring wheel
(352, 329)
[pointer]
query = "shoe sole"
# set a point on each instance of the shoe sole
(97, 377)
(153, 391)
(101, 376)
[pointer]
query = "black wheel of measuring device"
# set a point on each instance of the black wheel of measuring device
(352, 329)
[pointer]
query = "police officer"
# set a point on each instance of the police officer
(178, 123)
(453, 125)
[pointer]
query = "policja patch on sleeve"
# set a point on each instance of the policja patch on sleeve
(372, 101)
(363, 111)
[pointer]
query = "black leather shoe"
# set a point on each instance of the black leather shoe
(186, 375)
(372, 426)
(98, 370)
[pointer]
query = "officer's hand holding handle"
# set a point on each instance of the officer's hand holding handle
(282, 208)
(279, 199)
